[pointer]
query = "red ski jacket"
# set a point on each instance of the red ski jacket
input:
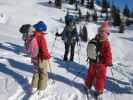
(42, 43)
(106, 53)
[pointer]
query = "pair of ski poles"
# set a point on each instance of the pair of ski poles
(79, 50)
(53, 46)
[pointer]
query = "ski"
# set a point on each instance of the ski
(86, 92)
(95, 95)
(92, 94)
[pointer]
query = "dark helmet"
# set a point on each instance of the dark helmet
(24, 28)
(40, 26)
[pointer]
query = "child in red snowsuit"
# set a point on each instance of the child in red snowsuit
(98, 69)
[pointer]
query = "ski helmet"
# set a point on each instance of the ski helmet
(40, 26)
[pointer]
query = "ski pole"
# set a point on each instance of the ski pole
(111, 66)
(79, 49)
(79, 62)
(53, 45)
(51, 72)
(112, 72)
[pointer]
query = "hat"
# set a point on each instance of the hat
(40, 26)
(70, 18)
(105, 26)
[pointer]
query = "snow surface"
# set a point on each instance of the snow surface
(16, 68)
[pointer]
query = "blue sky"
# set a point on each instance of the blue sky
(121, 3)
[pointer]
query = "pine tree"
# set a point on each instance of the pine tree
(84, 34)
(108, 5)
(58, 3)
(95, 16)
(128, 22)
(126, 11)
(76, 5)
(80, 14)
(121, 28)
(104, 6)
(87, 16)
(88, 4)
(131, 14)
(92, 4)
(113, 10)
(49, 2)
(82, 2)
(72, 1)
(116, 18)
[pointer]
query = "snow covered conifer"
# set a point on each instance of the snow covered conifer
(126, 11)
(58, 3)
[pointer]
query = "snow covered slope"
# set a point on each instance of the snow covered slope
(16, 68)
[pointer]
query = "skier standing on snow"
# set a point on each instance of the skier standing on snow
(69, 36)
(40, 77)
(98, 68)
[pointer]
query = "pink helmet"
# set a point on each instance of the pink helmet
(105, 26)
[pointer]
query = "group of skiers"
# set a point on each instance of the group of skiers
(36, 45)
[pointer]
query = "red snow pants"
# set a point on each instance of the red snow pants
(97, 74)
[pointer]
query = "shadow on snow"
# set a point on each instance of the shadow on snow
(12, 47)
(19, 78)
(129, 39)
(72, 67)
(117, 86)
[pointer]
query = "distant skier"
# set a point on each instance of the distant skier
(100, 56)
(41, 60)
(70, 37)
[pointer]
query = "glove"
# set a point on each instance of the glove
(57, 34)
(110, 65)
(87, 59)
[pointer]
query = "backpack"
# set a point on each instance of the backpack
(32, 47)
(93, 50)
